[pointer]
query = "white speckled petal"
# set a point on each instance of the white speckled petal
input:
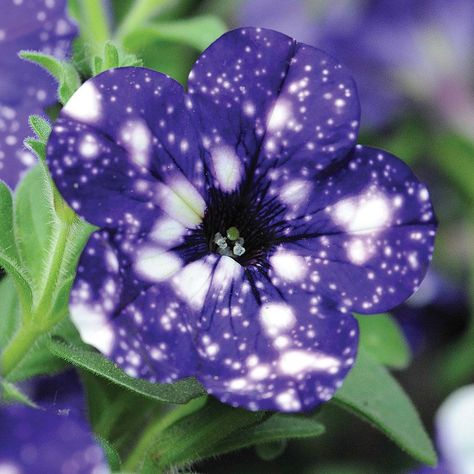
(366, 234)
(124, 148)
(270, 99)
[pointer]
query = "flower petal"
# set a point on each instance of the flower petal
(366, 231)
(26, 89)
(55, 438)
(124, 145)
(120, 307)
(265, 347)
(261, 98)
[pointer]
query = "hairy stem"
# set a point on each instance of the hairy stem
(38, 321)
(17, 348)
(154, 429)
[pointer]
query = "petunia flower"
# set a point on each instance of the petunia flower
(240, 223)
(52, 438)
(455, 434)
(435, 313)
(25, 89)
(396, 51)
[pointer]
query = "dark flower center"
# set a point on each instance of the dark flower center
(257, 219)
(243, 225)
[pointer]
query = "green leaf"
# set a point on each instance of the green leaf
(65, 73)
(271, 451)
(279, 427)
(111, 454)
(453, 155)
(39, 360)
(36, 146)
(382, 338)
(41, 127)
(9, 256)
(9, 310)
(35, 223)
(47, 62)
(12, 394)
(373, 394)
(111, 56)
(188, 439)
(198, 32)
(69, 83)
(88, 359)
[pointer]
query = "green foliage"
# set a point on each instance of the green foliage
(198, 32)
(64, 72)
(40, 243)
(272, 450)
(382, 338)
(9, 393)
(454, 156)
(190, 438)
(276, 429)
(373, 394)
(9, 255)
(111, 58)
(9, 310)
(35, 223)
(85, 358)
(111, 454)
(41, 127)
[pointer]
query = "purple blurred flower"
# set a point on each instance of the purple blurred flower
(25, 89)
(421, 49)
(436, 312)
(455, 434)
(241, 224)
(56, 438)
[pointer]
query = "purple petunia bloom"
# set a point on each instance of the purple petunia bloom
(395, 50)
(25, 89)
(241, 224)
(436, 313)
(455, 434)
(54, 438)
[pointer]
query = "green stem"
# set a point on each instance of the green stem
(94, 24)
(38, 321)
(155, 428)
(45, 302)
(139, 13)
(17, 348)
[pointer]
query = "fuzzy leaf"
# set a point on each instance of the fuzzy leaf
(86, 358)
(39, 360)
(36, 146)
(373, 394)
(382, 338)
(111, 56)
(49, 63)
(65, 73)
(9, 256)
(35, 223)
(12, 394)
(278, 428)
(9, 310)
(188, 439)
(41, 127)
(111, 454)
